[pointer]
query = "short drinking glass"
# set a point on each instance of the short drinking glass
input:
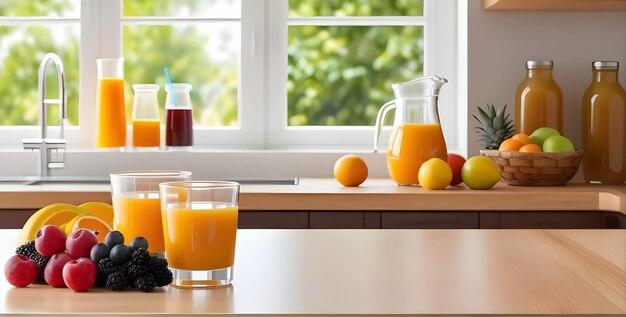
(136, 204)
(200, 228)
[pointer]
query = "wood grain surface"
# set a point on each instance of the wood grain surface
(381, 272)
(373, 195)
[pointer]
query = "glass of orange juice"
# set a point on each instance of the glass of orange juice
(200, 228)
(136, 204)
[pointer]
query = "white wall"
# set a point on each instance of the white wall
(499, 43)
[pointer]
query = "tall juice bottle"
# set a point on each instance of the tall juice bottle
(146, 124)
(603, 122)
(539, 100)
(111, 107)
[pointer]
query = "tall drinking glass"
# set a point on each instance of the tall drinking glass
(136, 204)
(200, 229)
(110, 103)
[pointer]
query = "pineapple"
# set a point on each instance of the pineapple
(495, 126)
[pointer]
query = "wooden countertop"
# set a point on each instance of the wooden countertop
(316, 272)
(374, 194)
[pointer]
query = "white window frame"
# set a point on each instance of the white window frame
(263, 75)
(440, 36)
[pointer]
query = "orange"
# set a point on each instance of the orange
(521, 138)
(510, 145)
(350, 170)
(97, 225)
(530, 148)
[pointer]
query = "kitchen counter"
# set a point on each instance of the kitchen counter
(374, 194)
(385, 272)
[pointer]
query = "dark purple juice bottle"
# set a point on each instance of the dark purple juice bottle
(178, 116)
(178, 127)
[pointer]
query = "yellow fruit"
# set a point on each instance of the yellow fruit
(521, 138)
(95, 224)
(350, 170)
(530, 148)
(480, 172)
(510, 145)
(101, 210)
(55, 214)
(435, 174)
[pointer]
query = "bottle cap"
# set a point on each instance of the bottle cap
(539, 64)
(605, 65)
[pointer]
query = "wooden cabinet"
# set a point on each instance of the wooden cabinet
(429, 220)
(273, 219)
(551, 220)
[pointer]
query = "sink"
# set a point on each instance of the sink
(69, 180)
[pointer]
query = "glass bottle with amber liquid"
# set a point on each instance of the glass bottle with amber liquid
(604, 127)
(539, 100)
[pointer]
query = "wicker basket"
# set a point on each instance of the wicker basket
(535, 169)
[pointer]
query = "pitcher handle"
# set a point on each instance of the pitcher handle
(380, 119)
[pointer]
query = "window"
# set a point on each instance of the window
(278, 74)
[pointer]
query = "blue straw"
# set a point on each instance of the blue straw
(168, 77)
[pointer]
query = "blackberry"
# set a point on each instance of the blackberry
(145, 283)
(163, 276)
(135, 271)
(117, 281)
(101, 280)
(157, 262)
(106, 267)
(28, 249)
(140, 257)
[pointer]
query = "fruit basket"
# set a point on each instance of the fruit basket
(535, 169)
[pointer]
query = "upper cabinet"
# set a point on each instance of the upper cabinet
(598, 5)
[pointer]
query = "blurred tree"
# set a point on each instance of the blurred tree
(341, 75)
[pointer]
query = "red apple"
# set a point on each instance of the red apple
(456, 164)
(20, 270)
(53, 273)
(80, 275)
(50, 240)
(79, 243)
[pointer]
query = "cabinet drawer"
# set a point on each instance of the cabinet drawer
(336, 219)
(551, 220)
(429, 220)
(273, 219)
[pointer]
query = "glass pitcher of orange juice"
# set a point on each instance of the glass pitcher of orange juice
(416, 135)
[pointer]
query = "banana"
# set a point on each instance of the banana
(55, 214)
(100, 210)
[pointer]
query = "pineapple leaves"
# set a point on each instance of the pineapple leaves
(494, 126)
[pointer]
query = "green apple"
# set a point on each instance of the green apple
(480, 172)
(557, 143)
(542, 134)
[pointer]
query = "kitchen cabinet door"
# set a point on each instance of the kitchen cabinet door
(429, 220)
(273, 219)
(551, 220)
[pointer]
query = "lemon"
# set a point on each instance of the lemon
(480, 172)
(435, 174)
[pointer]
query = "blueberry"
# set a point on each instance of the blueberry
(99, 252)
(139, 242)
(120, 254)
(114, 238)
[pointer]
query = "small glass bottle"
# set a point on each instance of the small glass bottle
(604, 129)
(539, 100)
(146, 124)
(178, 116)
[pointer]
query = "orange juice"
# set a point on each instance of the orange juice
(201, 237)
(112, 127)
(604, 133)
(146, 133)
(539, 102)
(139, 214)
(412, 144)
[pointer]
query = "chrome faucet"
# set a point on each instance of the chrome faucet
(52, 150)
